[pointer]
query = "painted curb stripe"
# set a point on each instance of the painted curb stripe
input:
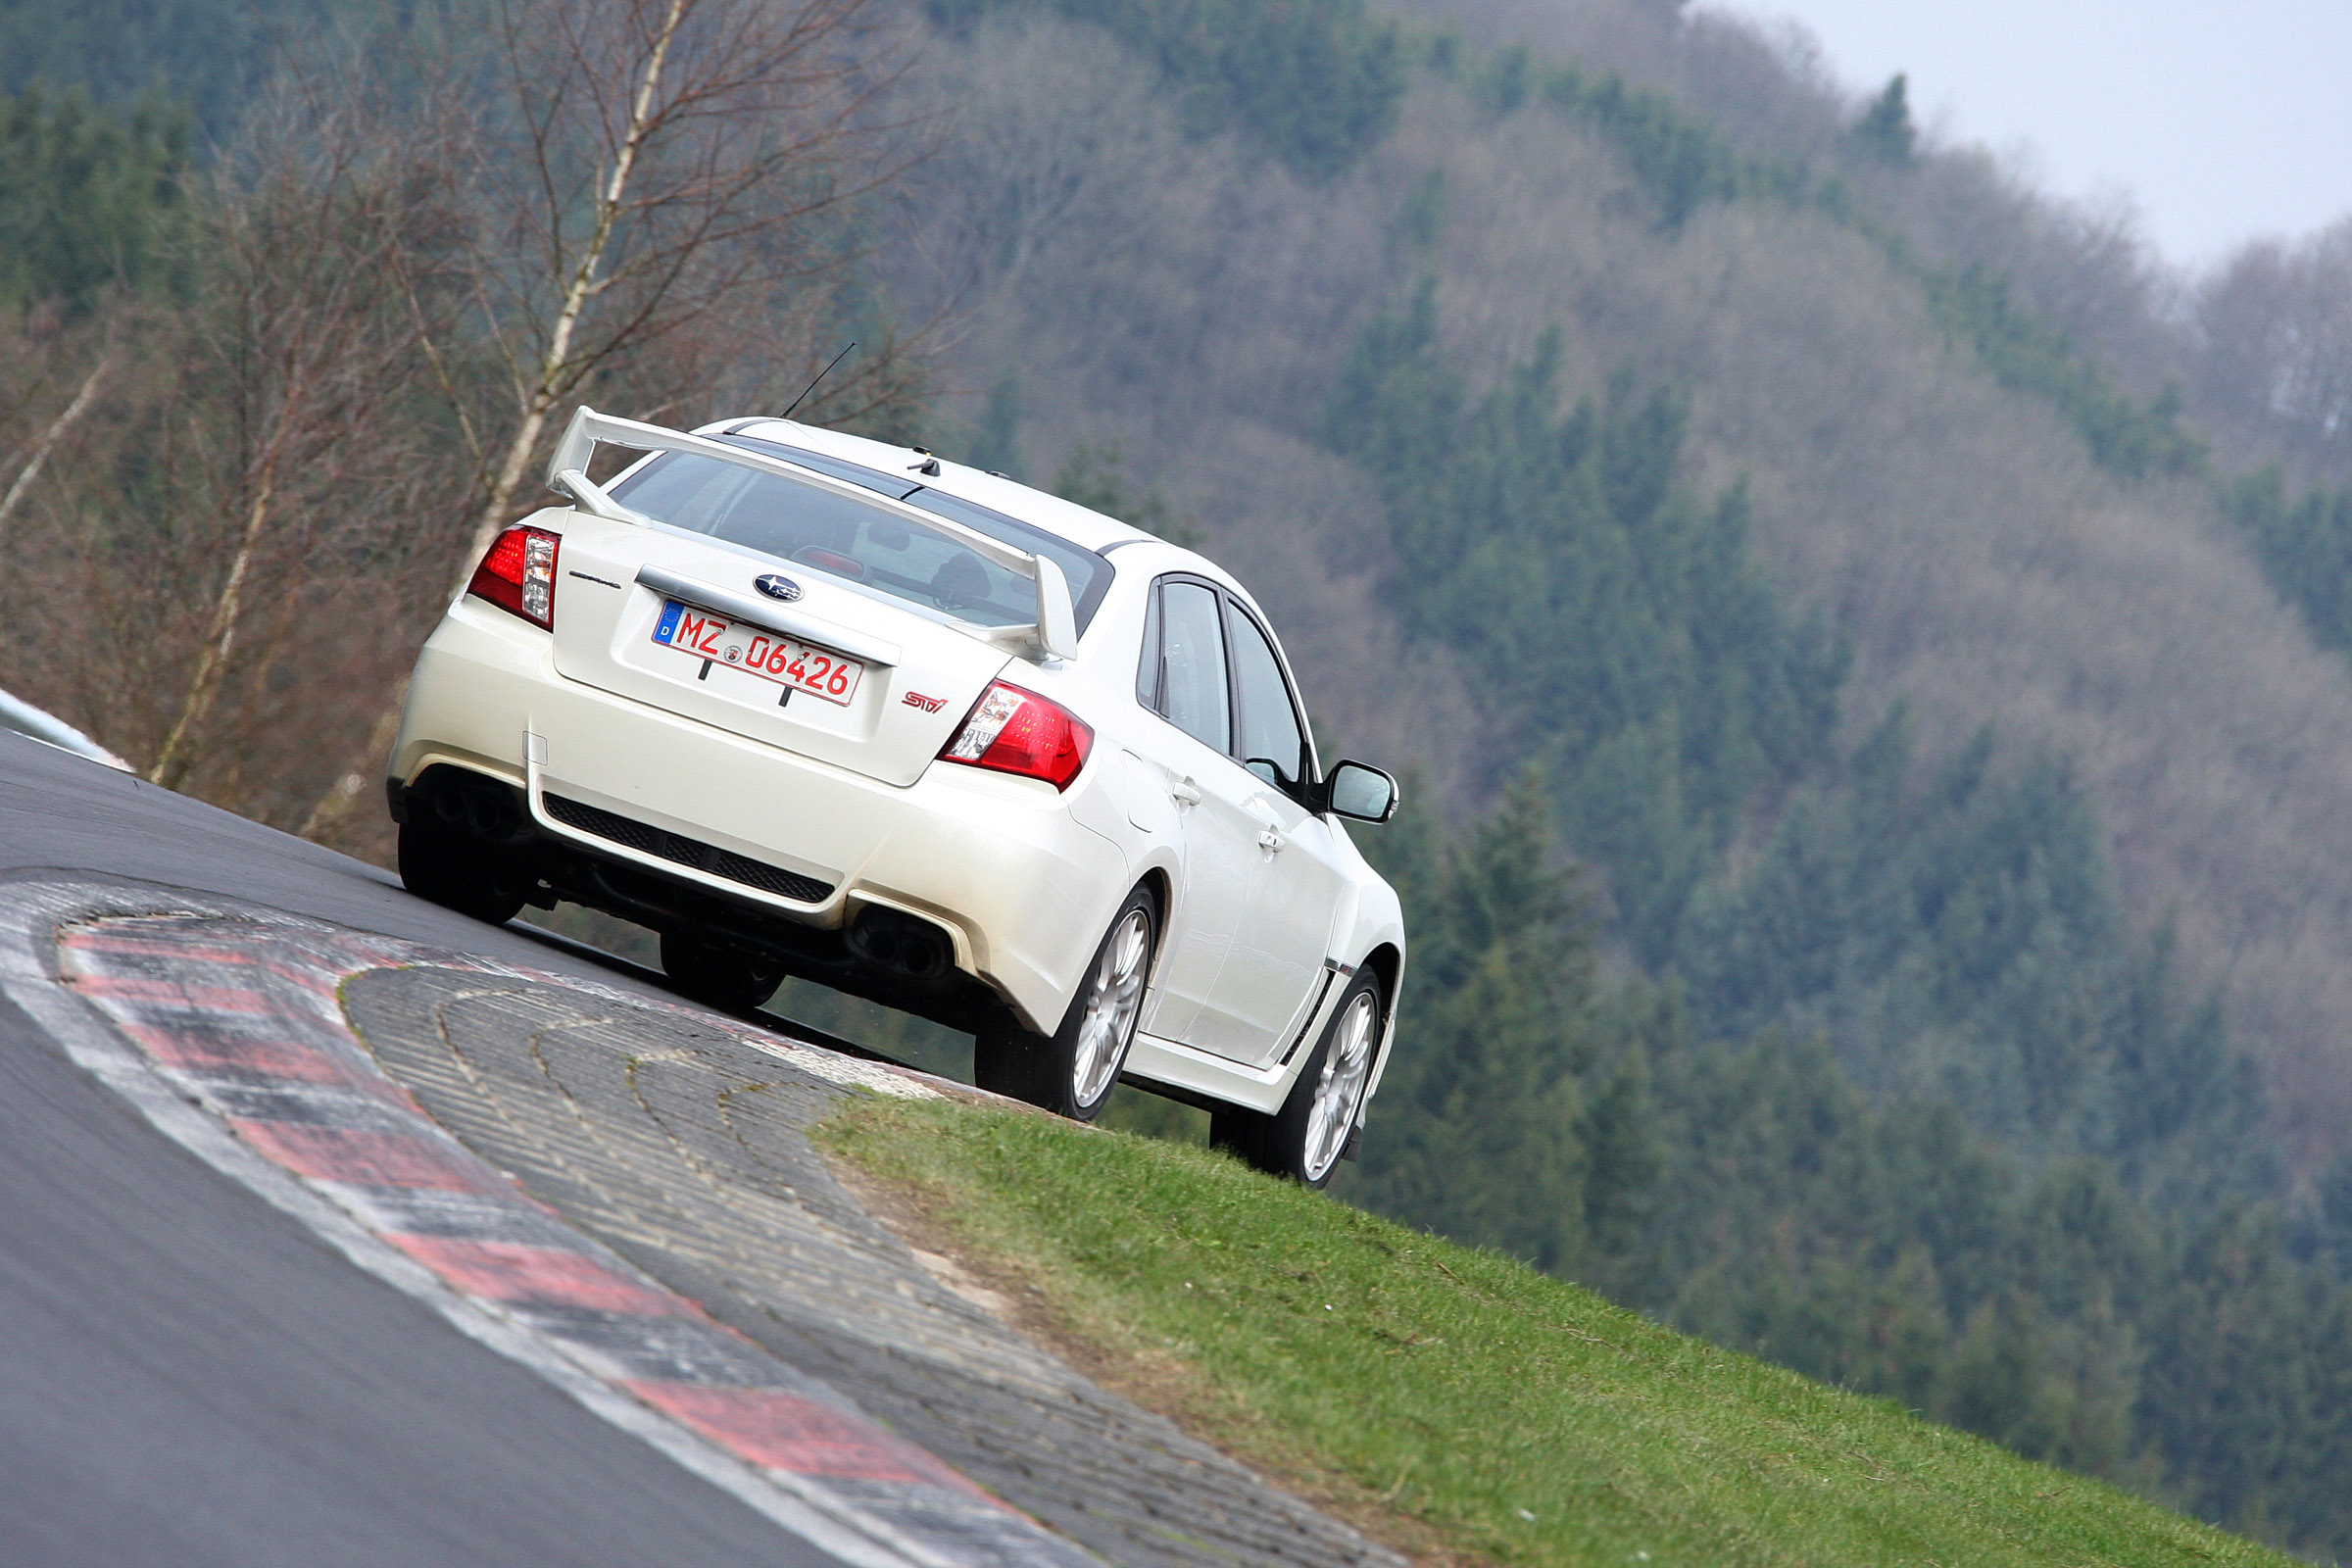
(243, 1017)
(519, 1274)
(789, 1438)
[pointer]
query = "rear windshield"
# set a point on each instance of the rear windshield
(801, 523)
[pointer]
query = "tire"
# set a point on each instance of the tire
(458, 872)
(1072, 1071)
(729, 979)
(1305, 1139)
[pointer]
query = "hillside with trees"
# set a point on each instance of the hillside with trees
(1870, 644)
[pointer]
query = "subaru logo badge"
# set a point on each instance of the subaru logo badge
(778, 586)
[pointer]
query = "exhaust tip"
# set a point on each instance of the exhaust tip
(905, 946)
(478, 807)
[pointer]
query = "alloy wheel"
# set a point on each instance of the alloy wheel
(1114, 998)
(1341, 1088)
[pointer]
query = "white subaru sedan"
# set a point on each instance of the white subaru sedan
(805, 704)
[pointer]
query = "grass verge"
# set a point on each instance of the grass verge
(1457, 1402)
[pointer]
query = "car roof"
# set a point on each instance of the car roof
(1080, 525)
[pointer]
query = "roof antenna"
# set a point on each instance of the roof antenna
(820, 375)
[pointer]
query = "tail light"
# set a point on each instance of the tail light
(518, 574)
(1013, 731)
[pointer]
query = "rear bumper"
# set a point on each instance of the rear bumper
(1009, 867)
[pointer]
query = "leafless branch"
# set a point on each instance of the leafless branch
(56, 432)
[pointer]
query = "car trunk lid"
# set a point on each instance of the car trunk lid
(774, 651)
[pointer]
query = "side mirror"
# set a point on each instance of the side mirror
(1359, 791)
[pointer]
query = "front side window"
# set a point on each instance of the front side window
(1192, 663)
(1273, 743)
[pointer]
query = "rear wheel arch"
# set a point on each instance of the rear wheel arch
(1073, 1068)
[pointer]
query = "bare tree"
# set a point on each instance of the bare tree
(36, 453)
(2276, 362)
(306, 347)
(661, 161)
(2315, 380)
(230, 497)
(654, 180)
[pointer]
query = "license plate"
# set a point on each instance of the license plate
(786, 661)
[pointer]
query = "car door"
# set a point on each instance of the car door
(1273, 971)
(1184, 680)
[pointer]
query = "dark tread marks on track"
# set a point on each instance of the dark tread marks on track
(685, 1151)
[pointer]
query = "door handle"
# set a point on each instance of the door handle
(1186, 791)
(1271, 842)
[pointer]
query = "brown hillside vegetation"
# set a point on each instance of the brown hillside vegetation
(391, 285)
(1986, 571)
(2261, 347)
(1191, 300)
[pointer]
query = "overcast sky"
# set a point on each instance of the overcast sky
(2222, 121)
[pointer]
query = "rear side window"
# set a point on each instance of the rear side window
(1272, 737)
(1192, 663)
(1147, 668)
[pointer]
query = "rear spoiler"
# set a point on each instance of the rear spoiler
(1054, 635)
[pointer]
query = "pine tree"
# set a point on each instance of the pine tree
(1483, 1117)
(1884, 132)
(89, 199)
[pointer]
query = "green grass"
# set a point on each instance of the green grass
(1476, 1406)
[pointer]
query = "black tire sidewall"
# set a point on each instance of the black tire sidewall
(454, 872)
(1005, 1061)
(717, 977)
(1240, 1132)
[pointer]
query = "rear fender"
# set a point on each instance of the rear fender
(1159, 870)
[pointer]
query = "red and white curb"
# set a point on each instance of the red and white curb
(229, 1036)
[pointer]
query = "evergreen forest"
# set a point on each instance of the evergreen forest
(1872, 678)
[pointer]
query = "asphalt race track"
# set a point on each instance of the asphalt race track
(190, 1377)
(247, 1087)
